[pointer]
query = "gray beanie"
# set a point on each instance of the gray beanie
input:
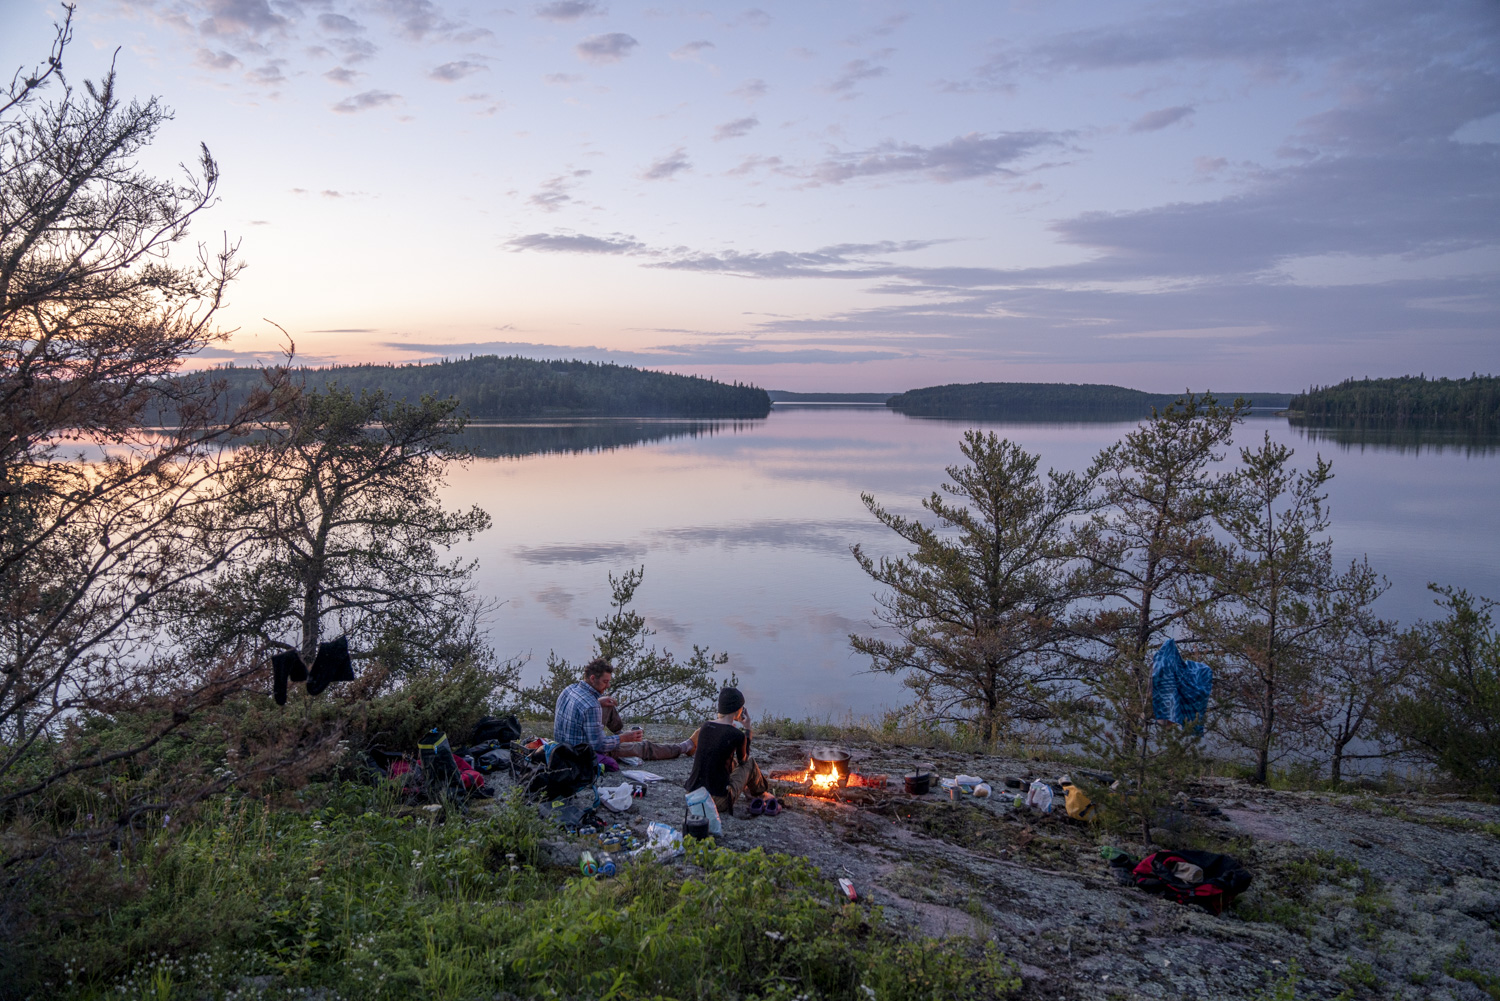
(730, 701)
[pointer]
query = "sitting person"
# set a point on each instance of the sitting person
(584, 712)
(722, 762)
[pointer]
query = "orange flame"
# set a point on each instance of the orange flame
(822, 781)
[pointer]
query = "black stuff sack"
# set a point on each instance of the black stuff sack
(502, 729)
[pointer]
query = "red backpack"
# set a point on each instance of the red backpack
(1223, 878)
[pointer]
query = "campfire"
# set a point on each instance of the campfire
(827, 773)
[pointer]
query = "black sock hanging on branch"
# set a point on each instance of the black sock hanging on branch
(331, 664)
(285, 665)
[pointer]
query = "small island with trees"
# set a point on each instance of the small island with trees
(1475, 400)
(1048, 401)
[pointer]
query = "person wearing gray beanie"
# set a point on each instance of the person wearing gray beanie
(722, 763)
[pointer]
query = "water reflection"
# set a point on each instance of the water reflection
(572, 436)
(745, 527)
(1463, 437)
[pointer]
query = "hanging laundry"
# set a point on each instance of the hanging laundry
(331, 664)
(285, 666)
(1180, 688)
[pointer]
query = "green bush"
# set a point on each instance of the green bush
(350, 901)
(1450, 715)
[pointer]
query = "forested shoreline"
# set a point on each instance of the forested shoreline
(1473, 400)
(1047, 401)
(493, 387)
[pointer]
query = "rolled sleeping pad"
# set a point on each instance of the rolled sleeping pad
(607, 868)
(587, 865)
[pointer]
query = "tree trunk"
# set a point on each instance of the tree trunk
(311, 600)
(1144, 807)
(1336, 766)
(991, 707)
(1267, 727)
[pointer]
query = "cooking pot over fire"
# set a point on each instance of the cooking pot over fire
(831, 759)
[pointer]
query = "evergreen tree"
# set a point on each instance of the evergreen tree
(979, 603)
(1450, 717)
(1149, 561)
(1475, 400)
(1280, 593)
(95, 315)
(1360, 661)
(490, 387)
(341, 494)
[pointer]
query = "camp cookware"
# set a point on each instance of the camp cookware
(826, 759)
(918, 783)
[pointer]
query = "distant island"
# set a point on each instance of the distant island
(786, 396)
(1408, 398)
(1049, 401)
(490, 387)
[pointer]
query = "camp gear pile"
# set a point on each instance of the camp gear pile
(1204, 879)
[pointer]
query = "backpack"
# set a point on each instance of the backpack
(560, 770)
(1192, 877)
(440, 766)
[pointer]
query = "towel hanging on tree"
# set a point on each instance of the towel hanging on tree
(1180, 688)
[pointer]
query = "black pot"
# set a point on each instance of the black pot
(918, 784)
(826, 759)
(696, 828)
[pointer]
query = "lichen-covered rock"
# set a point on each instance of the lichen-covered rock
(1355, 895)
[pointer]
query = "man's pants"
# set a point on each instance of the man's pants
(645, 749)
(746, 780)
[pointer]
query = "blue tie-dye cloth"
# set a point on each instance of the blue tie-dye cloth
(1180, 688)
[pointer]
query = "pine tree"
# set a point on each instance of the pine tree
(1148, 561)
(979, 603)
(1280, 593)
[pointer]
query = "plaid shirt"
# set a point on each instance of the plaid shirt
(579, 720)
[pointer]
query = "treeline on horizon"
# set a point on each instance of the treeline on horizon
(492, 387)
(1407, 398)
(489, 386)
(1046, 399)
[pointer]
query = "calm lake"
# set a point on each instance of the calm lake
(744, 528)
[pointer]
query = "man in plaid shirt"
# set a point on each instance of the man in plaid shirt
(580, 718)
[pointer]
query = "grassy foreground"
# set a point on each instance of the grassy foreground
(355, 898)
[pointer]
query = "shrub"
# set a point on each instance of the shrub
(347, 901)
(1451, 715)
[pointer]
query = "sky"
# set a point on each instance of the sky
(855, 196)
